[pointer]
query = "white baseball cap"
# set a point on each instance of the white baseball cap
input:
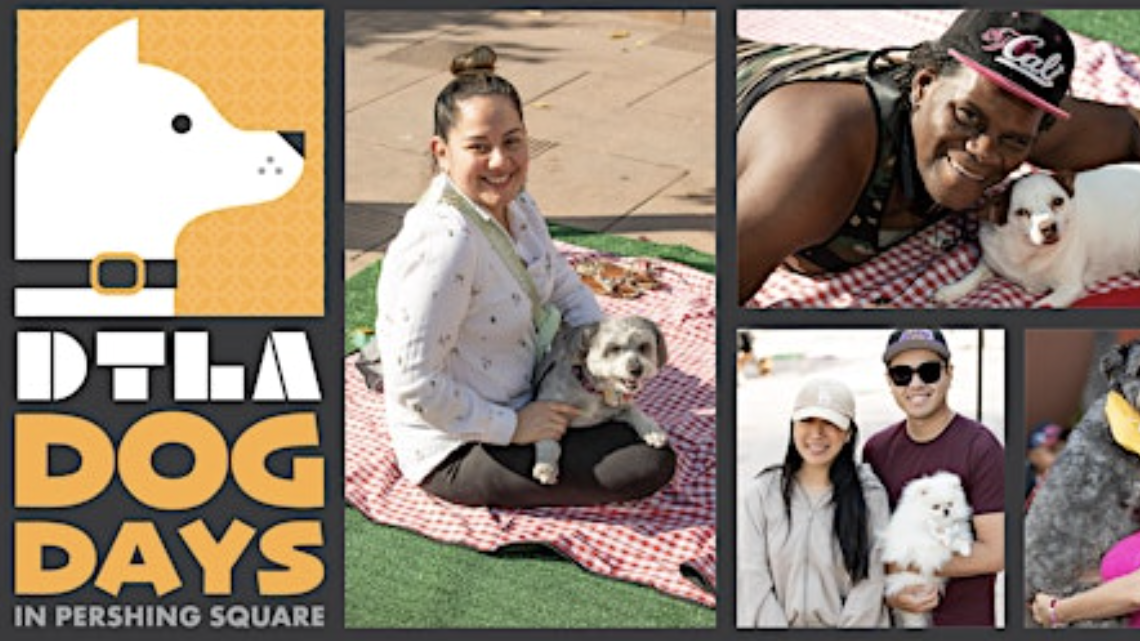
(828, 399)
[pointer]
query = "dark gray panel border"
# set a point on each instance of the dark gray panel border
(731, 317)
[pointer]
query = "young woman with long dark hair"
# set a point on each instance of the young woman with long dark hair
(807, 553)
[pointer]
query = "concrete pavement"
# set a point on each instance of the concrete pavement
(619, 105)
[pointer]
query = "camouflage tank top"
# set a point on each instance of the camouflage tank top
(761, 68)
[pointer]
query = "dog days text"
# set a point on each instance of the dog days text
(273, 461)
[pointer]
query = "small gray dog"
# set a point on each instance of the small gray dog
(1089, 499)
(598, 368)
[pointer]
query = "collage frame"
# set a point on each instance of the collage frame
(326, 328)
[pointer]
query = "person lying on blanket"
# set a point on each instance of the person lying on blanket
(832, 172)
(470, 289)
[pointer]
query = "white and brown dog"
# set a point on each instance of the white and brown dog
(599, 368)
(1059, 233)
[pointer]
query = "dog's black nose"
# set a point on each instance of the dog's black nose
(636, 368)
(296, 140)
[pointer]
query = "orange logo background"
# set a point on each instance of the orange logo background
(262, 70)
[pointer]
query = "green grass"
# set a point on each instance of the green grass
(1119, 27)
(623, 246)
(360, 301)
(399, 579)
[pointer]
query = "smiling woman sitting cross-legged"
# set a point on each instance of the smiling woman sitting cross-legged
(471, 293)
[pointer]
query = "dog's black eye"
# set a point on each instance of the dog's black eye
(181, 123)
(643, 349)
(1058, 201)
(1021, 211)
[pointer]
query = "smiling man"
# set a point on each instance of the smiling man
(841, 154)
(931, 438)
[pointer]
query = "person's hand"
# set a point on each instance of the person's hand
(543, 420)
(915, 598)
(1042, 613)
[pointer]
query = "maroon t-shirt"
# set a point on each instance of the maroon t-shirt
(969, 450)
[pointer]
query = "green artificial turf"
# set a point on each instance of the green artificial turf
(399, 579)
(1120, 27)
(623, 246)
(360, 303)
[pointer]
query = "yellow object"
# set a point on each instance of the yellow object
(1124, 421)
(96, 281)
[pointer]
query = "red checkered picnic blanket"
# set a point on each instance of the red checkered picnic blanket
(909, 274)
(652, 541)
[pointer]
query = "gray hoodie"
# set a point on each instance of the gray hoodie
(796, 578)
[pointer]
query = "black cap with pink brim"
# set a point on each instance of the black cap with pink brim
(1023, 52)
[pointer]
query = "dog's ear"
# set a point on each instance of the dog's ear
(996, 207)
(1113, 363)
(662, 354)
(581, 341)
(1067, 179)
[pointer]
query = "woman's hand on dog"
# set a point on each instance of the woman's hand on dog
(915, 598)
(543, 420)
(1041, 606)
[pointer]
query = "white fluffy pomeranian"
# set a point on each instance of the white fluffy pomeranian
(929, 526)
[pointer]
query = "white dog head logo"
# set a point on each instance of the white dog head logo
(117, 158)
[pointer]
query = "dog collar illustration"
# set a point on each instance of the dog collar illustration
(109, 273)
(118, 157)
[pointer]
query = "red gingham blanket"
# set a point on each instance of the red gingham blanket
(909, 274)
(651, 541)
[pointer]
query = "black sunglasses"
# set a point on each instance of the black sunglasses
(929, 372)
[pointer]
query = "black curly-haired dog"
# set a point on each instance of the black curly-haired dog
(1090, 500)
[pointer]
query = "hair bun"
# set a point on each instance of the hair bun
(481, 59)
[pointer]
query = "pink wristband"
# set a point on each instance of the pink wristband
(1053, 613)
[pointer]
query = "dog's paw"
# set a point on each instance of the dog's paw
(655, 437)
(1059, 299)
(545, 473)
(964, 548)
(911, 620)
(950, 294)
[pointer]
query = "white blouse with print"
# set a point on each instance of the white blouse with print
(455, 327)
